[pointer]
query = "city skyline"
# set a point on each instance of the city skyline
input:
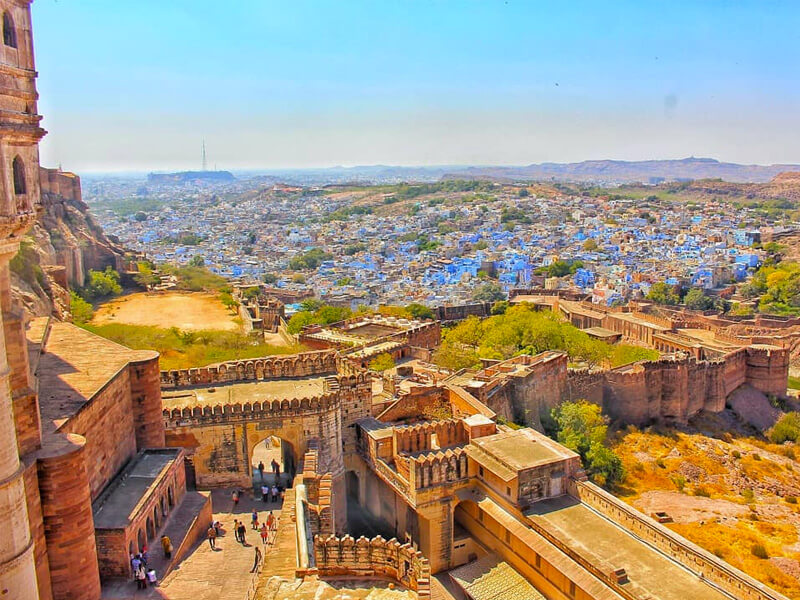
(319, 84)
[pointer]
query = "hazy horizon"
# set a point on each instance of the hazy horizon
(274, 86)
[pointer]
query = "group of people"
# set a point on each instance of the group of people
(141, 574)
(273, 493)
(276, 469)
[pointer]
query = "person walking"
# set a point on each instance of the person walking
(136, 562)
(270, 521)
(274, 493)
(255, 519)
(276, 468)
(265, 493)
(242, 533)
(212, 537)
(235, 497)
(236, 530)
(261, 469)
(144, 556)
(151, 578)
(264, 533)
(257, 559)
(166, 546)
(141, 578)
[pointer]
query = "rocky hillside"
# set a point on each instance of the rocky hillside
(61, 247)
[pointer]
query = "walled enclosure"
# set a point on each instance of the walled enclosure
(220, 438)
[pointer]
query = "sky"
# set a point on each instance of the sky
(137, 85)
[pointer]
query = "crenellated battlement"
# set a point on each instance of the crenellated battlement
(420, 436)
(199, 413)
(376, 557)
(271, 367)
(441, 467)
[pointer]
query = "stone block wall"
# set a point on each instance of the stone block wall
(67, 515)
(299, 365)
(439, 468)
(343, 557)
(36, 523)
(768, 369)
(148, 422)
(107, 423)
(419, 436)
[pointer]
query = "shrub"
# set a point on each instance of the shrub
(748, 495)
(82, 311)
(786, 429)
(101, 284)
(759, 551)
(756, 456)
(382, 362)
(791, 499)
(679, 481)
(736, 454)
(701, 491)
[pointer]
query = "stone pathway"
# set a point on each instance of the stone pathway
(206, 574)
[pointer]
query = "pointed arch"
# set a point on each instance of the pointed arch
(20, 184)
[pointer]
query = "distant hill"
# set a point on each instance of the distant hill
(620, 171)
(188, 176)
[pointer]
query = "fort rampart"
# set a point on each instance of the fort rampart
(705, 564)
(348, 557)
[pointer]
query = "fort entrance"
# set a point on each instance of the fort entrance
(277, 460)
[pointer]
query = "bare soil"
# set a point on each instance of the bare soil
(184, 310)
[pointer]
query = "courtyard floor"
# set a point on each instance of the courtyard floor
(207, 574)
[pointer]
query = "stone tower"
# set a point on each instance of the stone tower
(19, 200)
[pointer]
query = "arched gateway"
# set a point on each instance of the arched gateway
(224, 415)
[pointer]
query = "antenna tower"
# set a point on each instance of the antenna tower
(204, 156)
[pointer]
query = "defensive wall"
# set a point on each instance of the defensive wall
(673, 389)
(731, 580)
(376, 557)
(273, 367)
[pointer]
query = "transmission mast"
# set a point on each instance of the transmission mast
(204, 156)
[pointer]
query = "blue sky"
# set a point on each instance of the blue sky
(137, 84)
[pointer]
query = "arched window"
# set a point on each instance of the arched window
(9, 33)
(19, 176)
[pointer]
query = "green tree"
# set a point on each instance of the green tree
(696, 299)
(309, 260)
(523, 193)
(382, 362)
(299, 320)
(787, 429)
(269, 278)
(662, 293)
(488, 292)
(581, 427)
(197, 261)
(101, 284)
(590, 245)
(227, 299)
(82, 311)
(419, 311)
(500, 307)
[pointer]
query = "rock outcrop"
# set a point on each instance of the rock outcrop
(63, 245)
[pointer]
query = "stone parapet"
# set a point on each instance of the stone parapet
(376, 557)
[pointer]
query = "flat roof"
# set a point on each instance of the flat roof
(246, 391)
(116, 505)
(522, 449)
(74, 365)
(651, 574)
(491, 578)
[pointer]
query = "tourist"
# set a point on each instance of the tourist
(136, 562)
(274, 493)
(166, 545)
(276, 467)
(236, 530)
(151, 577)
(282, 492)
(217, 525)
(141, 578)
(235, 497)
(255, 519)
(265, 492)
(261, 470)
(270, 521)
(144, 555)
(257, 560)
(212, 537)
(264, 533)
(242, 532)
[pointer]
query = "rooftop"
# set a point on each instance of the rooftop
(490, 578)
(116, 506)
(73, 366)
(520, 449)
(651, 573)
(242, 392)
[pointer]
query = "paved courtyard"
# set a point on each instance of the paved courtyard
(207, 574)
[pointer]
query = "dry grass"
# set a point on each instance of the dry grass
(750, 472)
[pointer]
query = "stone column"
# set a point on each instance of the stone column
(17, 570)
